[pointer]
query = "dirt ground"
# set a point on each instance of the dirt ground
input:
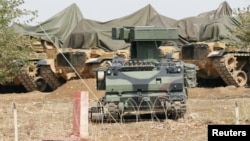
(40, 116)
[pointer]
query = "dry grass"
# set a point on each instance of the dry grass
(50, 114)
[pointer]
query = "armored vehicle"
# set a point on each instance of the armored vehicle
(29, 76)
(145, 83)
(50, 66)
(218, 61)
(100, 58)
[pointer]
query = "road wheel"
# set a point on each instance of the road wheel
(230, 62)
(240, 77)
(40, 84)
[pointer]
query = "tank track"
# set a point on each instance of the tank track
(49, 77)
(225, 73)
(111, 113)
(26, 80)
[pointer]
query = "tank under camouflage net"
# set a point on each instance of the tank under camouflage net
(217, 60)
(50, 67)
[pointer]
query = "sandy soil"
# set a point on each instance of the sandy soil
(41, 116)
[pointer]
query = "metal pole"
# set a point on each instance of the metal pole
(236, 113)
(15, 121)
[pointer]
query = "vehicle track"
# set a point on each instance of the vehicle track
(26, 80)
(225, 73)
(49, 77)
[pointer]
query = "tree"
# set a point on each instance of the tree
(13, 48)
(243, 31)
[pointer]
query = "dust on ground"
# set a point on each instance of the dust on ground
(204, 106)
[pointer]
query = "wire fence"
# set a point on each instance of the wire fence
(36, 119)
(40, 117)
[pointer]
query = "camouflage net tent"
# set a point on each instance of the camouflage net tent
(57, 28)
(219, 29)
(90, 33)
(79, 32)
(190, 26)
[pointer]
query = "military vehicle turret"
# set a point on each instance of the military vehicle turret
(145, 83)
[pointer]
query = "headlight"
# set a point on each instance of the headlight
(178, 69)
(174, 70)
(109, 72)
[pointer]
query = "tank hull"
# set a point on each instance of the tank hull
(217, 61)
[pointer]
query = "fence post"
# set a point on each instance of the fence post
(15, 121)
(80, 113)
(237, 114)
(80, 119)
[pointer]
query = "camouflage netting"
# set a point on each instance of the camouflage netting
(57, 28)
(89, 33)
(219, 29)
(78, 32)
(190, 27)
